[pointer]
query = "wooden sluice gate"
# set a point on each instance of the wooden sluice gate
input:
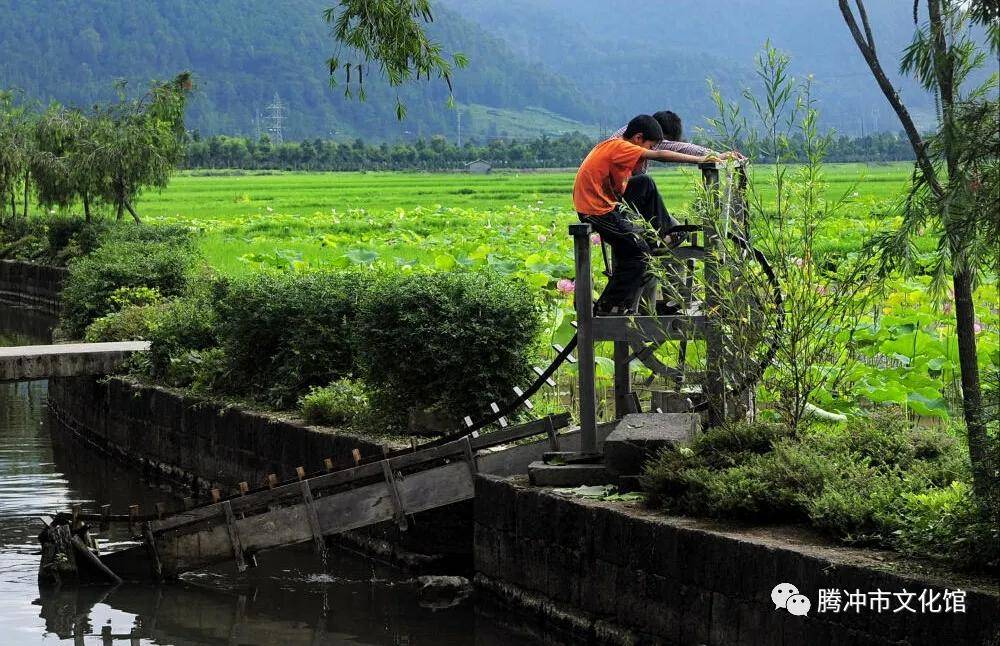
(309, 508)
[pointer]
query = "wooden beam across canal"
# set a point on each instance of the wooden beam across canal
(29, 362)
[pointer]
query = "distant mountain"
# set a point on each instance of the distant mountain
(537, 66)
(244, 52)
(645, 55)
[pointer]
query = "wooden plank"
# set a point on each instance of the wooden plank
(344, 511)
(535, 427)
(260, 499)
(397, 504)
(314, 527)
(234, 537)
(610, 328)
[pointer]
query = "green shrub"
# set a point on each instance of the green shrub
(23, 239)
(201, 371)
(182, 330)
(342, 402)
(859, 510)
(874, 481)
(284, 333)
(947, 523)
(446, 343)
(93, 279)
(731, 444)
(885, 438)
(131, 323)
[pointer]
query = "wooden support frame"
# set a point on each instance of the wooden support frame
(397, 502)
(715, 381)
(584, 292)
(234, 536)
(624, 329)
(313, 518)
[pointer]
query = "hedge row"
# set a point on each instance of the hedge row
(442, 343)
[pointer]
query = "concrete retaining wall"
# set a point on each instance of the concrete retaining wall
(204, 444)
(615, 574)
(27, 284)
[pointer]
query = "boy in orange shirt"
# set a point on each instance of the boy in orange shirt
(597, 196)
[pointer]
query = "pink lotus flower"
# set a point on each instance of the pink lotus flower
(947, 307)
(565, 286)
(595, 238)
(977, 327)
(821, 290)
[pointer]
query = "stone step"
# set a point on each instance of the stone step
(567, 475)
(639, 436)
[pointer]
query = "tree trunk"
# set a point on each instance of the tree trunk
(983, 471)
(27, 193)
(86, 207)
(13, 205)
(867, 49)
(119, 210)
(131, 209)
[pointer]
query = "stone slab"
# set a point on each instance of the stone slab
(64, 360)
(567, 475)
(638, 437)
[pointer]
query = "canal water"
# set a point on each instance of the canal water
(290, 598)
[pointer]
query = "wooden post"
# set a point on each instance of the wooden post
(715, 384)
(584, 336)
(739, 196)
(623, 379)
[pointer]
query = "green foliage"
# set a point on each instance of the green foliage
(133, 144)
(184, 329)
(950, 522)
(391, 35)
(344, 401)
(438, 153)
(284, 333)
(122, 263)
(874, 481)
(130, 323)
(446, 342)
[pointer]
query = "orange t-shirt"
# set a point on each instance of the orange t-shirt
(603, 175)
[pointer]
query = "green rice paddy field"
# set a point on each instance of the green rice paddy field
(516, 223)
(515, 220)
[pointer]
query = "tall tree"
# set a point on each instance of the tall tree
(956, 171)
(137, 143)
(15, 152)
(61, 173)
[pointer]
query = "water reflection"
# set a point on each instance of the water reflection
(291, 598)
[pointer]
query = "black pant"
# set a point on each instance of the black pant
(630, 241)
(643, 196)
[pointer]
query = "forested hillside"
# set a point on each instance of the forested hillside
(536, 67)
(646, 55)
(243, 52)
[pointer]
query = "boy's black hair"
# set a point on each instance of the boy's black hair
(645, 125)
(671, 124)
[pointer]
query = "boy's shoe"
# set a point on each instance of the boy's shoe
(616, 310)
(667, 308)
